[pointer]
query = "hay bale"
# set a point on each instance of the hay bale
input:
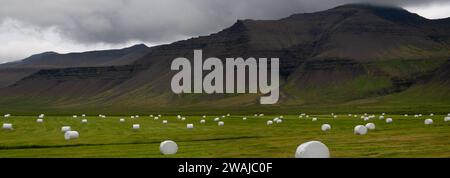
(431, 114)
(261, 115)
(74, 116)
(164, 121)
(281, 117)
(84, 121)
(275, 119)
(244, 118)
(366, 118)
(183, 118)
(121, 120)
(446, 119)
(228, 115)
(156, 118)
(168, 147)
(269, 122)
(389, 120)
(312, 149)
(136, 126)
(132, 117)
(7, 126)
(326, 127)
(204, 117)
(279, 121)
(39, 120)
(360, 130)
(381, 117)
(221, 123)
(151, 115)
(189, 126)
(178, 117)
(406, 115)
(65, 129)
(314, 119)
(202, 121)
(83, 115)
(370, 126)
(7, 115)
(216, 119)
(428, 121)
(69, 135)
(41, 116)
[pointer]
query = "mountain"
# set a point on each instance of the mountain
(350, 57)
(14, 71)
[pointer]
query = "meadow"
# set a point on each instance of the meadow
(107, 137)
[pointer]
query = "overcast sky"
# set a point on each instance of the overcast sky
(33, 26)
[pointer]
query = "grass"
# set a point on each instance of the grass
(405, 137)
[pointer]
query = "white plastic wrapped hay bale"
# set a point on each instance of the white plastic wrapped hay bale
(220, 123)
(168, 147)
(281, 117)
(312, 149)
(136, 116)
(164, 121)
(41, 116)
(314, 119)
(136, 126)
(121, 120)
(39, 120)
(74, 116)
(189, 126)
(155, 118)
(7, 126)
(269, 122)
(275, 119)
(183, 118)
(261, 115)
(228, 115)
(431, 114)
(84, 121)
(132, 117)
(204, 117)
(69, 135)
(7, 115)
(216, 119)
(244, 118)
(279, 121)
(151, 115)
(381, 117)
(406, 115)
(202, 121)
(360, 130)
(370, 126)
(65, 129)
(326, 127)
(83, 115)
(428, 121)
(335, 116)
(366, 118)
(389, 120)
(178, 116)
(446, 119)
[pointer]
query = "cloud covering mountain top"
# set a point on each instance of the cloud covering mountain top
(31, 26)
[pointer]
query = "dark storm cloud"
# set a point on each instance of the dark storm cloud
(119, 21)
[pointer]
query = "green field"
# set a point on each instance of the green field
(107, 137)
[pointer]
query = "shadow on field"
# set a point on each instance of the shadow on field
(128, 143)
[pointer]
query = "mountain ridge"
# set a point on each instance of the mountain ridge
(328, 58)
